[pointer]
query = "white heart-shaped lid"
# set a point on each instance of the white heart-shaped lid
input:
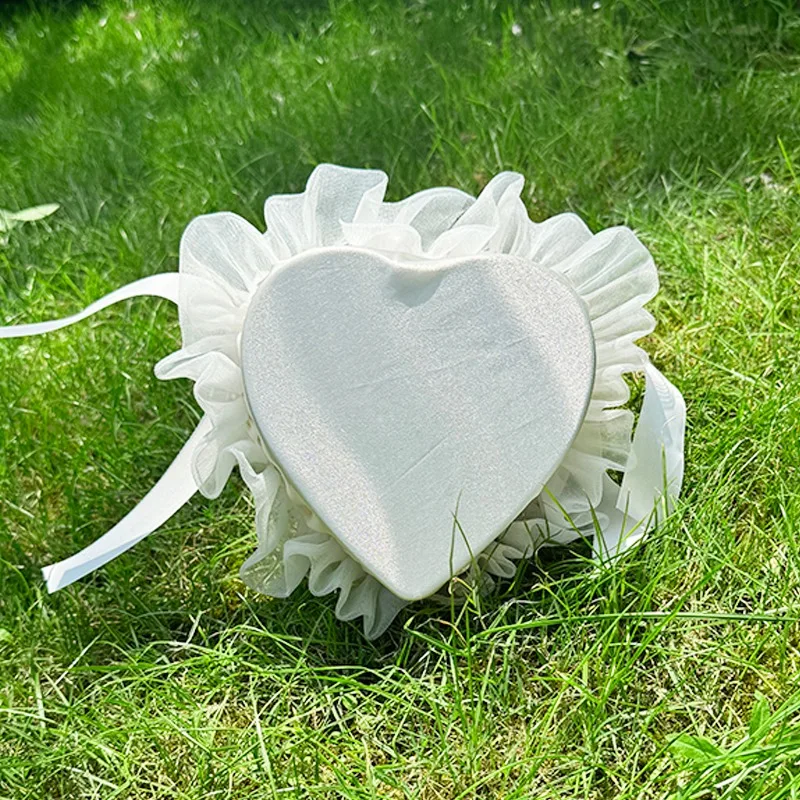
(417, 410)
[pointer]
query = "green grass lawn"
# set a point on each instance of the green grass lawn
(672, 674)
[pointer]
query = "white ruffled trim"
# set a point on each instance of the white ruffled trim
(223, 259)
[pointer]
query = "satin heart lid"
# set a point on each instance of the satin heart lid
(417, 410)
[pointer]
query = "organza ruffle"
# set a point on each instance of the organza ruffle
(223, 259)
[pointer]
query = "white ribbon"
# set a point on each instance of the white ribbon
(173, 490)
(655, 469)
(164, 285)
(654, 473)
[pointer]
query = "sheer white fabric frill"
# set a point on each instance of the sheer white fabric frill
(223, 259)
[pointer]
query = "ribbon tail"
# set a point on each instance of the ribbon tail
(654, 475)
(173, 490)
(164, 284)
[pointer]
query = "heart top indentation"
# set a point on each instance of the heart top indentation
(417, 410)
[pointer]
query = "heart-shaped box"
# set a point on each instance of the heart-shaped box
(396, 380)
(416, 409)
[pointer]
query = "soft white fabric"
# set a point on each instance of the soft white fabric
(223, 259)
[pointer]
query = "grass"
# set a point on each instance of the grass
(673, 674)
